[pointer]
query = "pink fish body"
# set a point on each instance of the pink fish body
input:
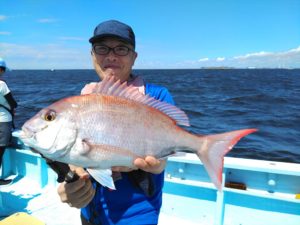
(117, 124)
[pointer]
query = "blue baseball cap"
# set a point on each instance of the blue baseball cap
(2, 63)
(113, 28)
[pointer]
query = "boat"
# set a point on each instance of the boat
(254, 192)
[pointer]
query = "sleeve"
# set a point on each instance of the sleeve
(3, 88)
(165, 96)
(11, 101)
(159, 93)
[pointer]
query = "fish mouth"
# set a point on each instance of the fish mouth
(27, 133)
(29, 137)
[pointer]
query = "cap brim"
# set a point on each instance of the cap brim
(94, 39)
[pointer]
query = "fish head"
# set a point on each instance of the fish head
(52, 131)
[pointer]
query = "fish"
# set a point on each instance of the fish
(114, 125)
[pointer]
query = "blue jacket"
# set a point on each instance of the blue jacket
(128, 205)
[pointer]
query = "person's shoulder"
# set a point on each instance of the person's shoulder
(156, 88)
(3, 87)
(2, 82)
(159, 92)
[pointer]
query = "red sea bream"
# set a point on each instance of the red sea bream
(116, 124)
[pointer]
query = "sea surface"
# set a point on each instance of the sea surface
(215, 100)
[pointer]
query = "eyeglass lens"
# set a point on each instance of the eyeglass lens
(104, 50)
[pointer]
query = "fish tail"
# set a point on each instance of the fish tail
(214, 148)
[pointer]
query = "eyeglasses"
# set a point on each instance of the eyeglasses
(118, 50)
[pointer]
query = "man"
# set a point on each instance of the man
(7, 106)
(138, 195)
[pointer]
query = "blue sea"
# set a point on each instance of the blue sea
(216, 100)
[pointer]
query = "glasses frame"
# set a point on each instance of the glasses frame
(109, 49)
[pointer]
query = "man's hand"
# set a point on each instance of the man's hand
(79, 193)
(149, 164)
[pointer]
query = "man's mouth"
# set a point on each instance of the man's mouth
(111, 67)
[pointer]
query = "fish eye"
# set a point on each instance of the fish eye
(50, 116)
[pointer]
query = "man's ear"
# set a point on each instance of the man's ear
(93, 55)
(135, 56)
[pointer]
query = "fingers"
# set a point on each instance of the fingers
(79, 193)
(82, 173)
(150, 164)
(109, 72)
(83, 196)
(146, 163)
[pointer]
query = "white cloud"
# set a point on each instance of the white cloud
(220, 59)
(262, 59)
(295, 50)
(45, 56)
(203, 59)
(5, 33)
(3, 17)
(72, 38)
(47, 20)
(256, 54)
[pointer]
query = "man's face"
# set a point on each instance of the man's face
(112, 63)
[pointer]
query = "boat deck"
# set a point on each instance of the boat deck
(25, 195)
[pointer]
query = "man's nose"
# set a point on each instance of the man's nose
(111, 55)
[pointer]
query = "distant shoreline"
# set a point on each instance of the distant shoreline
(202, 68)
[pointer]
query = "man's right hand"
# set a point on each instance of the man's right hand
(79, 193)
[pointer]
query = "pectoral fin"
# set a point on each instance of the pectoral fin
(103, 176)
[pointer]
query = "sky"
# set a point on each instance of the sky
(170, 34)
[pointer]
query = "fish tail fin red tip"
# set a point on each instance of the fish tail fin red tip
(214, 148)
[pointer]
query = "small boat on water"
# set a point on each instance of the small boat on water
(255, 192)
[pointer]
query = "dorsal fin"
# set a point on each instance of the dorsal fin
(111, 86)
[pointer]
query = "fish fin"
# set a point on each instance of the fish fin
(85, 147)
(110, 86)
(213, 149)
(103, 176)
